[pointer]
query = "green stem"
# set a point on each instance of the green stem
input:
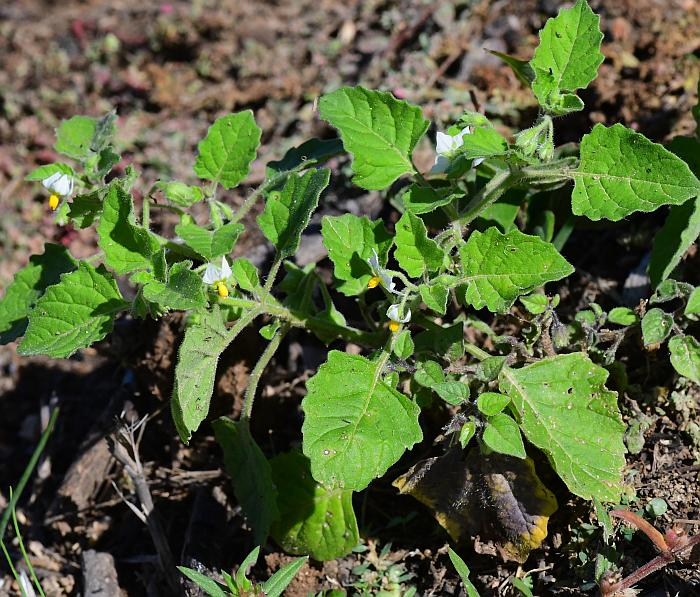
(27, 472)
(489, 194)
(146, 212)
(247, 205)
(271, 276)
(475, 351)
(24, 551)
(257, 372)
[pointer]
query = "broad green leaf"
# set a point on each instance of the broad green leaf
(287, 213)
(226, 153)
(355, 426)
(685, 356)
(313, 520)
(521, 68)
(29, 284)
(74, 313)
(418, 199)
(463, 571)
(656, 326)
(502, 435)
(279, 581)
(349, 241)
(622, 316)
(127, 246)
(43, 172)
(669, 290)
(104, 132)
(492, 403)
(483, 142)
(535, 303)
(299, 284)
(567, 57)
(416, 253)
(198, 356)
(208, 585)
(522, 588)
(182, 289)
(83, 210)
(466, 433)
(250, 473)
(74, 137)
(434, 297)
(378, 130)
(309, 153)
(564, 409)
(622, 172)
(500, 267)
(210, 244)
(246, 275)
(692, 307)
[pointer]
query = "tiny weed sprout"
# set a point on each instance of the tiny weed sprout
(420, 303)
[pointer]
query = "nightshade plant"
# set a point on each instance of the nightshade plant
(455, 249)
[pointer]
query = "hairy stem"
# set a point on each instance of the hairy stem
(249, 202)
(257, 372)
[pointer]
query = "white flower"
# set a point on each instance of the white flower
(215, 274)
(380, 274)
(59, 183)
(393, 314)
(446, 147)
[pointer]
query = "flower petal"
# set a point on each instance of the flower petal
(225, 269)
(443, 143)
(211, 274)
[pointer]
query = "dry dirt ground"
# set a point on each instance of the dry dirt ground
(170, 68)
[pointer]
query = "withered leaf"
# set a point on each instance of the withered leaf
(499, 498)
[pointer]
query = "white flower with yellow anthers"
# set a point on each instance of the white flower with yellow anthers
(381, 276)
(60, 184)
(396, 319)
(217, 276)
(446, 147)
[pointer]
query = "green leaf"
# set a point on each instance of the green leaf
(403, 345)
(500, 267)
(434, 297)
(692, 307)
(182, 289)
(309, 153)
(418, 199)
(565, 410)
(208, 585)
(226, 153)
(430, 375)
(676, 236)
(521, 68)
(685, 356)
(535, 303)
(378, 130)
(355, 426)
(74, 137)
(622, 172)
(83, 210)
(567, 57)
(483, 142)
(74, 313)
(210, 243)
(463, 571)
(313, 519)
(287, 214)
(492, 403)
(669, 290)
(279, 581)
(502, 435)
(466, 433)
(127, 246)
(251, 474)
(29, 284)
(522, 588)
(246, 275)
(241, 578)
(349, 241)
(416, 253)
(622, 316)
(43, 172)
(198, 356)
(180, 194)
(656, 326)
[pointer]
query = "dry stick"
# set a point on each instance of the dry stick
(125, 448)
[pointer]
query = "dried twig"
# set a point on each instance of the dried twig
(124, 444)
